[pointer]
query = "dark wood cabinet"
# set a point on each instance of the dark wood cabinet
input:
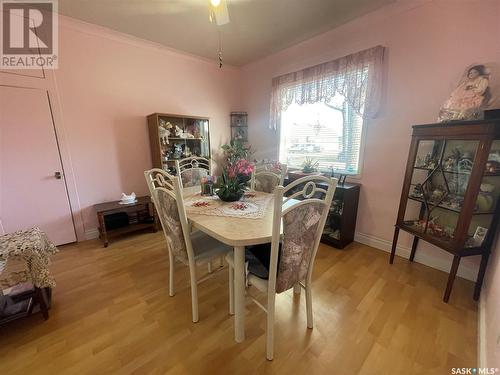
(451, 189)
(340, 225)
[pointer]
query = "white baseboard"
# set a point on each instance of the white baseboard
(91, 234)
(481, 333)
(464, 271)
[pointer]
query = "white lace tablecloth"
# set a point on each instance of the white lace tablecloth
(253, 205)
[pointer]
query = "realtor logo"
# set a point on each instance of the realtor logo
(28, 34)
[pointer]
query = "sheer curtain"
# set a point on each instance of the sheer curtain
(357, 77)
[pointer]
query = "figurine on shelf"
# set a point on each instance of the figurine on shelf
(178, 131)
(177, 151)
(164, 129)
(437, 194)
(465, 165)
(492, 166)
(187, 152)
(427, 162)
(418, 191)
(451, 162)
(454, 202)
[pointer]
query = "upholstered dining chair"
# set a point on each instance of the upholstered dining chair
(192, 169)
(266, 176)
(301, 217)
(185, 246)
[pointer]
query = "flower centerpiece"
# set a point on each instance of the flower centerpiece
(235, 175)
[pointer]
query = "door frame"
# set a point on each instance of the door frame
(48, 84)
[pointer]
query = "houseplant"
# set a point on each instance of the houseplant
(309, 165)
(231, 185)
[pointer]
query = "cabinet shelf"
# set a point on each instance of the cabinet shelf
(486, 174)
(185, 139)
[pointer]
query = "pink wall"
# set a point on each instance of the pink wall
(428, 48)
(429, 44)
(107, 84)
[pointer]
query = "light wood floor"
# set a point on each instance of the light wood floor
(112, 314)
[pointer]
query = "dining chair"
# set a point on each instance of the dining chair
(192, 169)
(266, 176)
(191, 248)
(300, 215)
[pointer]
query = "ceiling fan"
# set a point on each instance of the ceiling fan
(219, 16)
(218, 12)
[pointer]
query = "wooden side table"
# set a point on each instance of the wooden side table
(141, 215)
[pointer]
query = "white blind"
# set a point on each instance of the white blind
(329, 133)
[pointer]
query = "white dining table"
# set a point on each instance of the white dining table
(235, 232)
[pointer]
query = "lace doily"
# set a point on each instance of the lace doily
(253, 205)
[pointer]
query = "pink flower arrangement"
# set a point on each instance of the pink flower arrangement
(242, 167)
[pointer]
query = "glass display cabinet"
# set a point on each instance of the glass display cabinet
(451, 190)
(175, 137)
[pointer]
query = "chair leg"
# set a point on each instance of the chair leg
(221, 261)
(270, 328)
(231, 290)
(309, 307)
(171, 287)
(194, 292)
(296, 288)
(209, 267)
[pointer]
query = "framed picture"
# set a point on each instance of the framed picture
(239, 119)
(239, 133)
(480, 235)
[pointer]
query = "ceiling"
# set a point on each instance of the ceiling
(257, 28)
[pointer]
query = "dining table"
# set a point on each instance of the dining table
(236, 232)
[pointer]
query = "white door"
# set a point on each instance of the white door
(31, 194)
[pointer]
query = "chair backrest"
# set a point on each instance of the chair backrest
(303, 222)
(158, 178)
(191, 170)
(266, 176)
(166, 194)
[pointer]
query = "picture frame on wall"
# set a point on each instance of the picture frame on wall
(239, 133)
(239, 119)
(239, 126)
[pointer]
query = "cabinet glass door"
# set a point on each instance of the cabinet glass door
(439, 182)
(487, 199)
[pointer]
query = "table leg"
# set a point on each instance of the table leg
(239, 293)
(102, 229)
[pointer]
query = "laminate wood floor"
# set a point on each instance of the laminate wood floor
(112, 314)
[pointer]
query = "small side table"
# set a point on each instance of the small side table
(141, 215)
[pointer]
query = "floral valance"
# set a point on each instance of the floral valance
(357, 77)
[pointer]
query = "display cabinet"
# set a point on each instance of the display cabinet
(175, 137)
(450, 195)
(340, 224)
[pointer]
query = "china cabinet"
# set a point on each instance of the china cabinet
(175, 137)
(450, 191)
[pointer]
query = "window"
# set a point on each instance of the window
(328, 133)
(320, 110)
